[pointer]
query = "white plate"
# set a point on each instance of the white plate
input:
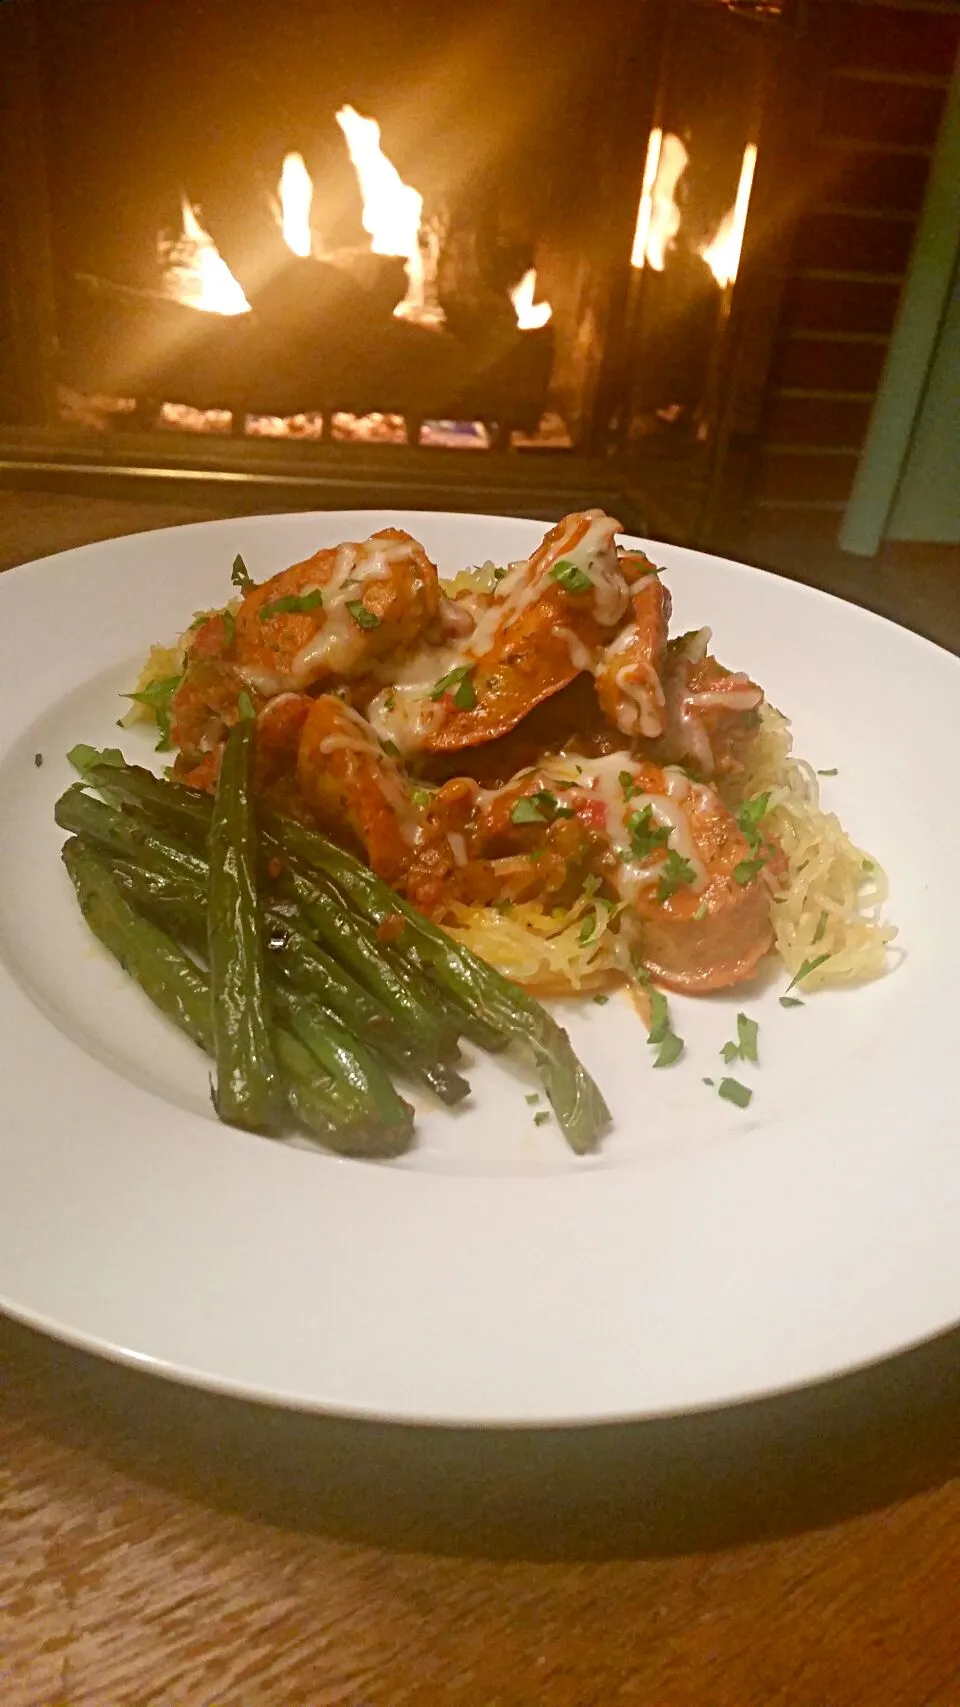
(706, 1255)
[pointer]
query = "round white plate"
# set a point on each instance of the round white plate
(707, 1254)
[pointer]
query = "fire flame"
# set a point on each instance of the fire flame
(530, 315)
(196, 273)
(296, 198)
(658, 216)
(391, 208)
(722, 254)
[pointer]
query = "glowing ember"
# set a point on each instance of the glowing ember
(658, 216)
(722, 254)
(530, 315)
(391, 208)
(296, 197)
(195, 272)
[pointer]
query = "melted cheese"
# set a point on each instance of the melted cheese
(600, 778)
(339, 643)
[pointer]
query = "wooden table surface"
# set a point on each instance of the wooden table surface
(165, 1548)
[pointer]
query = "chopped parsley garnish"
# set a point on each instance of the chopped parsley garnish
(82, 757)
(661, 1035)
(833, 772)
(245, 705)
(526, 811)
(541, 807)
(745, 1048)
(240, 575)
(646, 835)
(229, 627)
(499, 573)
(601, 1000)
(670, 1050)
(292, 603)
(587, 928)
(532, 1097)
(746, 870)
(749, 816)
(362, 617)
(159, 697)
(791, 1002)
(867, 865)
(38, 759)
(551, 804)
(732, 1091)
(674, 873)
(821, 927)
(570, 577)
(464, 697)
(808, 967)
(709, 1081)
(390, 703)
(541, 1118)
(629, 785)
(391, 749)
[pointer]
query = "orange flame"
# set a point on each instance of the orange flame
(530, 315)
(658, 216)
(296, 198)
(722, 253)
(196, 273)
(391, 208)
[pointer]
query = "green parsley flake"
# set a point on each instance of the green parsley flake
(709, 1081)
(499, 573)
(670, 1050)
(791, 1002)
(541, 1118)
(526, 811)
(833, 772)
(645, 834)
(659, 1016)
(821, 927)
(240, 575)
(532, 1097)
(292, 603)
(746, 870)
(806, 969)
(38, 759)
(587, 928)
(229, 627)
(362, 617)
(675, 872)
(629, 785)
(391, 749)
(601, 1000)
(867, 865)
(245, 708)
(82, 757)
(732, 1091)
(745, 1048)
(570, 577)
(464, 697)
(749, 816)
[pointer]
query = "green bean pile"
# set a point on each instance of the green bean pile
(312, 985)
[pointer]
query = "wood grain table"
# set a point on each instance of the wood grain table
(166, 1548)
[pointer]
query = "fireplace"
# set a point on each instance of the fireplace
(522, 251)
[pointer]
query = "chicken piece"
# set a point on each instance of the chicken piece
(349, 784)
(202, 710)
(546, 622)
(279, 728)
(669, 849)
(342, 610)
(714, 932)
(709, 711)
(630, 673)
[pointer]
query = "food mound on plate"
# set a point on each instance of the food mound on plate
(530, 759)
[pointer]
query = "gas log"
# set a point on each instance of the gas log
(320, 337)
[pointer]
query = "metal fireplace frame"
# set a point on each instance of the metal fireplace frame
(697, 502)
